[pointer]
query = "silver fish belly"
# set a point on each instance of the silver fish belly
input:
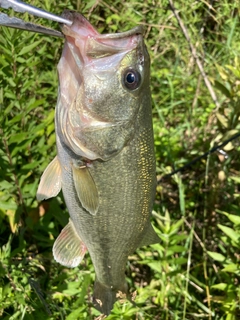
(105, 162)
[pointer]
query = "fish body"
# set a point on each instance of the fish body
(105, 162)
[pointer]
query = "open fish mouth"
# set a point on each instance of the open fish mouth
(92, 45)
(80, 20)
(91, 70)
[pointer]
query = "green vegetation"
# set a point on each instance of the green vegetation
(195, 272)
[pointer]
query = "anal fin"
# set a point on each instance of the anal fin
(68, 249)
(50, 183)
(86, 189)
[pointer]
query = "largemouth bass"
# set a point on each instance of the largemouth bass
(105, 162)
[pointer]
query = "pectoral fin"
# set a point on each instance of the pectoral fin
(68, 249)
(50, 183)
(150, 237)
(86, 189)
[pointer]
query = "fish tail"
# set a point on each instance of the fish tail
(104, 297)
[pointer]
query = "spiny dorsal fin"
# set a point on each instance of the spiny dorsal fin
(86, 189)
(68, 249)
(150, 237)
(50, 183)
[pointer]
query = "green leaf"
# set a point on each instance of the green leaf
(178, 238)
(176, 249)
(8, 205)
(29, 48)
(34, 104)
(156, 266)
(216, 256)
(222, 88)
(72, 288)
(180, 261)
(90, 4)
(18, 137)
(236, 179)
(233, 235)
(223, 120)
(235, 70)
(3, 62)
(15, 119)
(5, 185)
(220, 286)
(175, 226)
(75, 314)
(232, 268)
(232, 217)
(30, 166)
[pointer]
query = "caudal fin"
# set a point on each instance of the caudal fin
(104, 297)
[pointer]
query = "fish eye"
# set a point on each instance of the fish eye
(131, 79)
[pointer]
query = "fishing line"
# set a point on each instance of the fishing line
(189, 164)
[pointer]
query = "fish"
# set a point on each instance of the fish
(105, 162)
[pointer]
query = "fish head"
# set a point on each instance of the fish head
(103, 79)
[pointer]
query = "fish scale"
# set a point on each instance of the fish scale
(105, 162)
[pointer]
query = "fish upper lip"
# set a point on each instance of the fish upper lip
(72, 15)
(135, 31)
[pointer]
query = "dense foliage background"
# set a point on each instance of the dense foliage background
(195, 272)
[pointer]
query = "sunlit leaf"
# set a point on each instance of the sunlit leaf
(216, 256)
(232, 267)
(232, 234)
(219, 286)
(27, 48)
